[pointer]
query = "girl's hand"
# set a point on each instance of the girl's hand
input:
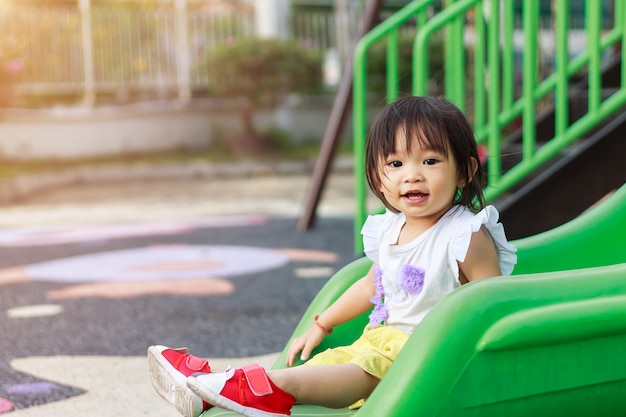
(352, 303)
(305, 344)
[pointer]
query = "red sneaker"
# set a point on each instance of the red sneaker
(169, 369)
(246, 391)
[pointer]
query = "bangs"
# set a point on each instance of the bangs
(425, 134)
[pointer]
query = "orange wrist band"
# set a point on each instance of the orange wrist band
(324, 329)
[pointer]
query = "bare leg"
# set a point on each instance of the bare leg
(333, 386)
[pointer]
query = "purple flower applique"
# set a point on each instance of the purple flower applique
(412, 279)
(380, 313)
(378, 280)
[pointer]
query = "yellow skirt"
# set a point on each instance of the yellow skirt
(374, 352)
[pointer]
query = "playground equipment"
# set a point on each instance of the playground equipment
(544, 342)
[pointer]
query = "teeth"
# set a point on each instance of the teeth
(414, 196)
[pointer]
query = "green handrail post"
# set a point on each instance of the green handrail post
(392, 66)
(593, 16)
(529, 81)
(493, 106)
(561, 114)
(479, 68)
(454, 81)
(359, 118)
(420, 64)
(620, 22)
(508, 68)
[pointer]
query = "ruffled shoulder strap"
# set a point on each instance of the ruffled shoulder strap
(372, 233)
(487, 217)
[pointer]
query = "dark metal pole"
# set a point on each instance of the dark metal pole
(338, 115)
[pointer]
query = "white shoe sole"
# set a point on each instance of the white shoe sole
(208, 395)
(171, 385)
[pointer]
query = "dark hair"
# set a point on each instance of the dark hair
(436, 124)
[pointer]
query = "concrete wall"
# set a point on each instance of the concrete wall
(150, 127)
(97, 132)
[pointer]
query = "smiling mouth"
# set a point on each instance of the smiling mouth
(414, 196)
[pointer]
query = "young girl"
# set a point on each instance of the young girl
(422, 162)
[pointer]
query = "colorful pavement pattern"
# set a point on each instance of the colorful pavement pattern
(81, 304)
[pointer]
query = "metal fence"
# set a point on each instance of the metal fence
(95, 48)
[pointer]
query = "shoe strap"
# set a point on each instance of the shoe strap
(258, 381)
(197, 364)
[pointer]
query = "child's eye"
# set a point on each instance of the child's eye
(430, 161)
(394, 164)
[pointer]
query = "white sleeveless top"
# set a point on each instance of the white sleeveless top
(413, 277)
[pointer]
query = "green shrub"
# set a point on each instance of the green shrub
(261, 73)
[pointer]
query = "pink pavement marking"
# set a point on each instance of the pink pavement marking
(86, 234)
(5, 405)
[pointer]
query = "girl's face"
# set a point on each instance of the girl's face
(421, 184)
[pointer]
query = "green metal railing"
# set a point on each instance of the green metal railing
(481, 77)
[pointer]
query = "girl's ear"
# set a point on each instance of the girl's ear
(472, 170)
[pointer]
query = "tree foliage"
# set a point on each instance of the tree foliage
(262, 73)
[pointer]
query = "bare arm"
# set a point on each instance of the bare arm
(352, 303)
(481, 260)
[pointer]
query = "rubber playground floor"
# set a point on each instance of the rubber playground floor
(91, 275)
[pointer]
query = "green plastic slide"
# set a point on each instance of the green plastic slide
(549, 341)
